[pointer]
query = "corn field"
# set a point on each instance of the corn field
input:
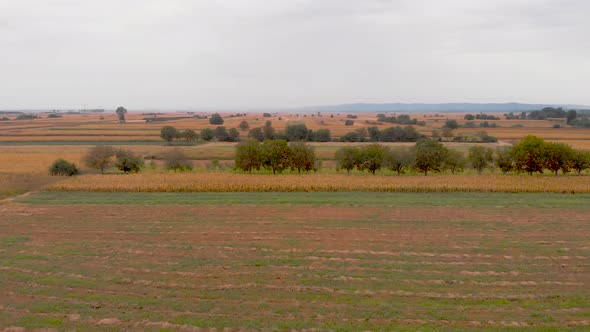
(227, 182)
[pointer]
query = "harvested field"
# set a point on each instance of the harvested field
(400, 262)
(101, 127)
(229, 182)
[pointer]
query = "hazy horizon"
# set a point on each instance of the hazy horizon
(262, 55)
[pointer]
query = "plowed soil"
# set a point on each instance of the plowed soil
(293, 267)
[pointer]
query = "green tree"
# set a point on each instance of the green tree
(372, 157)
(430, 156)
(446, 132)
(363, 134)
(233, 135)
(302, 157)
(99, 157)
(580, 161)
(353, 136)
(220, 133)
(451, 124)
(169, 133)
(248, 155)
(268, 130)
(207, 134)
(256, 134)
(348, 158)
(480, 157)
(558, 156)
(529, 155)
(276, 154)
(189, 135)
(398, 160)
(244, 125)
(216, 119)
(455, 161)
(63, 167)
(296, 132)
(127, 161)
(504, 159)
(374, 134)
(323, 135)
(571, 116)
(121, 111)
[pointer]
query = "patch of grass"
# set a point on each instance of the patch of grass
(495, 200)
(36, 322)
(10, 240)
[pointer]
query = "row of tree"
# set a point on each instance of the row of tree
(534, 155)
(293, 133)
(531, 155)
(402, 119)
(426, 156)
(391, 134)
(300, 133)
(276, 155)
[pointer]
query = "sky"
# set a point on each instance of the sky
(247, 54)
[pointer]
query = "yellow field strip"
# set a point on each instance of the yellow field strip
(227, 182)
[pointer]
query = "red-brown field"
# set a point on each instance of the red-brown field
(393, 262)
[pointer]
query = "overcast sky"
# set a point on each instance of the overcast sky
(199, 54)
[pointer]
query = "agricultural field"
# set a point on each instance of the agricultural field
(295, 261)
(105, 127)
(215, 248)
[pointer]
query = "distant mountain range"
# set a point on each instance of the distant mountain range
(448, 107)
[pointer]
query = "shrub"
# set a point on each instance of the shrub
(63, 167)
(26, 117)
(451, 124)
(244, 125)
(177, 161)
(128, 162)
(99, 157)
(348, 123)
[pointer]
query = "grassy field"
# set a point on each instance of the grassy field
(294, 261)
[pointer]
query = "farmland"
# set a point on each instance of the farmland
(218, 248)
(335, 261)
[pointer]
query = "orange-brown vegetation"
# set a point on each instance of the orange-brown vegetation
(105, 126)
(228, 182)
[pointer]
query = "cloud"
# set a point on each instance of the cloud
(260, 53)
